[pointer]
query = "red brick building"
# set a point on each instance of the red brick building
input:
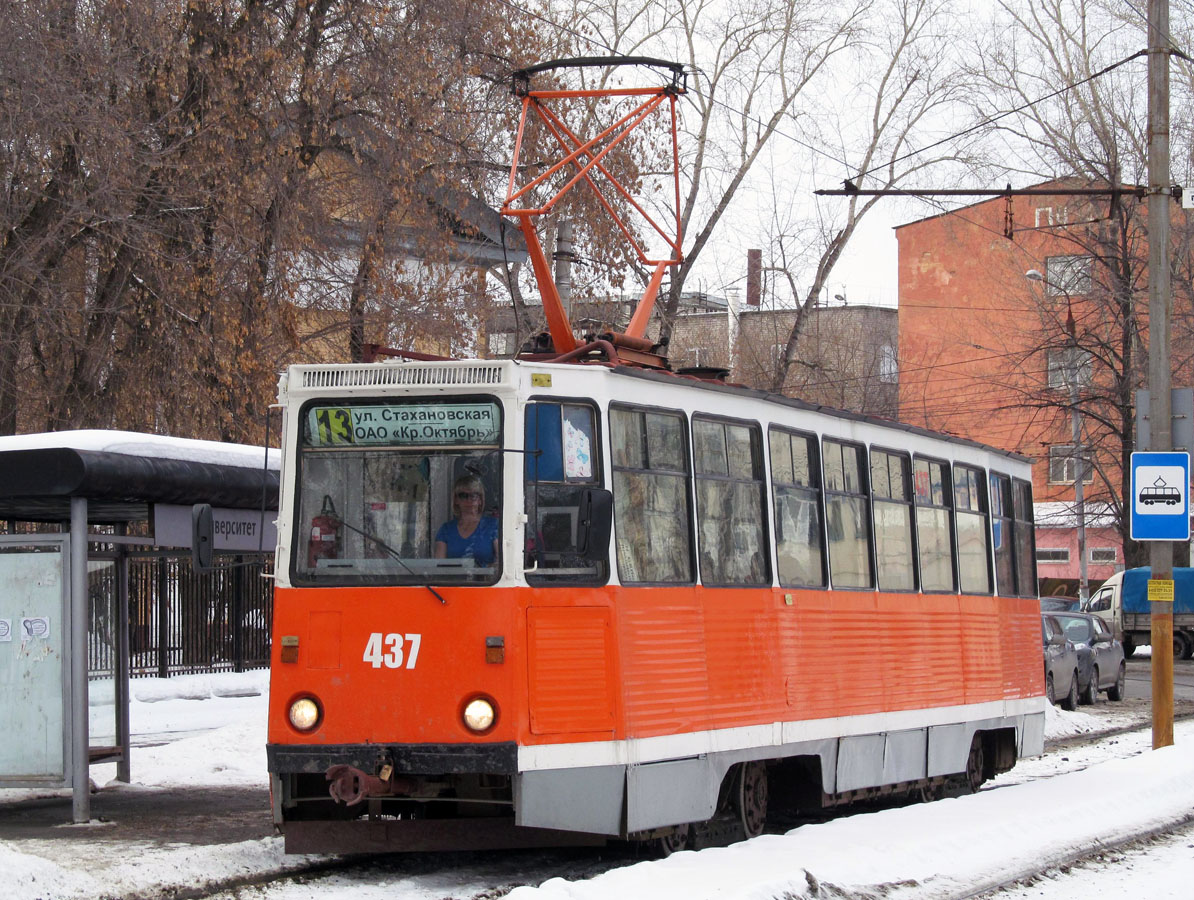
(1012, 312)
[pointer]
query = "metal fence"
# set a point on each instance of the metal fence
(181, 622)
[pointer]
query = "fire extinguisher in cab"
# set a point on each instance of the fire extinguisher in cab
(327, 535)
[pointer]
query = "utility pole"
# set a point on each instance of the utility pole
(1079, 477)
(1159, 309)
(563, 259)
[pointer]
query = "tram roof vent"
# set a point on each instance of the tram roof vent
(449, 374)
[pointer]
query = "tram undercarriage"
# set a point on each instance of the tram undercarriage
(346, 809)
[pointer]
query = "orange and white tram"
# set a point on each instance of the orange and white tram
(689, 601)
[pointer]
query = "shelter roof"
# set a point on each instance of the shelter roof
(122, 473)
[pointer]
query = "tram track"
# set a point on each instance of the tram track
(572, 863)
(534, 867)
(1078, 857)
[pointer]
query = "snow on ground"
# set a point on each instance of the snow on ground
(164, 709)
(927, 850)
(217, 737)
(1129, 873)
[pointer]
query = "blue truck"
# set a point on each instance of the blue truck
(1122, 602)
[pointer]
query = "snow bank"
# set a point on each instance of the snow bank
(921, 851)
(1062, 724)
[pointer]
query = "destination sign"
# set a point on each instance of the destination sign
(397, 425)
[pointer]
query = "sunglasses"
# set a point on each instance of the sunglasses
(468, 495)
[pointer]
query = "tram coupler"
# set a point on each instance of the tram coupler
(349, 785)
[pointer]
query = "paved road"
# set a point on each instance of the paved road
(198, 816)
(1140, 676)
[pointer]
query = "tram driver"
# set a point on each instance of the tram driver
(469, 534)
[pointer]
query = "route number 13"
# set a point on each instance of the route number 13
(387, 650)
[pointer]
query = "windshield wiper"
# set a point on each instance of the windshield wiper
(329, 510)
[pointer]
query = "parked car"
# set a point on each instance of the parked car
(1100, 656)
(1061, 663)
(1059, 604)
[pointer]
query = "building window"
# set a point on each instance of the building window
(1062, 462)
(1067, 276)
(1104, 556)
(889, 368)
(1067, 366)
(499, 344)
(1047, 216)
(1052, 555)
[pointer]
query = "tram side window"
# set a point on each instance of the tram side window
(729, 489)
(561, 462)
(891, 494)
(1003, 526)
(651, 513)
(796, 494)
(934, 524)
(847, 519)
(970, 518)
(1025, 538)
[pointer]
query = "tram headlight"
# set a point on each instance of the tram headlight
(305, 713)
(479, 715)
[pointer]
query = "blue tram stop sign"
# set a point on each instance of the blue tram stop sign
(1160, 501)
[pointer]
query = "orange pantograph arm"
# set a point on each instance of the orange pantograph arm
(584, 156)
(557, 318)
(560, 131)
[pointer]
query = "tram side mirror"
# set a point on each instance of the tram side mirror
(201, 538)
(594, 521)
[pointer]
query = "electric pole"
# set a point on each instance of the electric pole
(1159, 309)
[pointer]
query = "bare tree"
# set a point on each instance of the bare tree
(762, 73)
(917, 83)
(752, 64)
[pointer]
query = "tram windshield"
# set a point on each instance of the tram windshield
(399, 492)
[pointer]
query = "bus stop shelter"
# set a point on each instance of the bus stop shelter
(78, 506)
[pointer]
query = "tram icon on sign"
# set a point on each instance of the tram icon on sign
(1160, 492)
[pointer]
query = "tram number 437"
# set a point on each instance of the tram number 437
(389, 650)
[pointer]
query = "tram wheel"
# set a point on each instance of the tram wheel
(975, 764)
(679, 839)
(750, 798)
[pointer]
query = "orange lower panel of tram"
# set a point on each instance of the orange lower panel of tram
(614, 663)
